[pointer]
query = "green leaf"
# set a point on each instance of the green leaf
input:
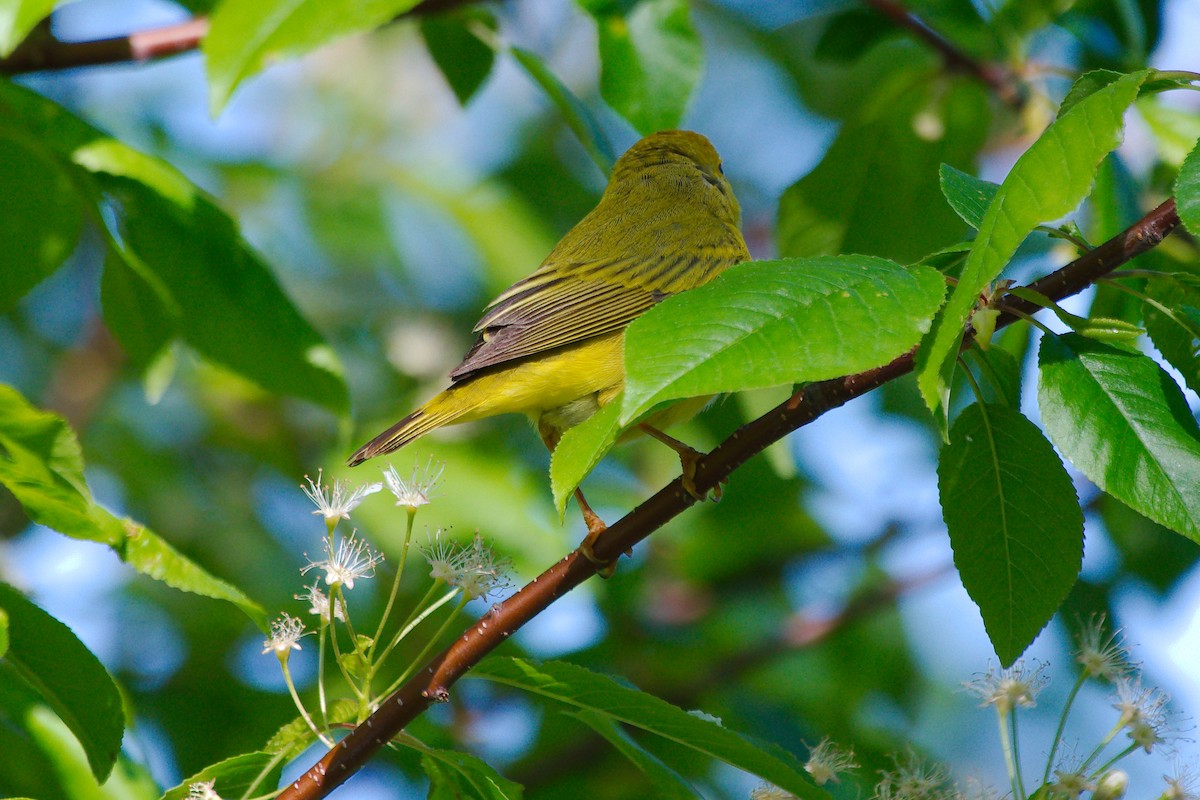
(197, 276)
(1119, 418)
(244, 37)
(1187, 191)
(464, 60)
(41, 213)
(1001, 373)
(1048, 181)
(582, 689)
(295, 737)
(65, 674)
(41, 465)
(665, 783)
(765, 323)
(3, 632)
(580, 450)
(249, 774)
(152, 556)
(967, 195)
(133, 310)
(232, 310)
(852, 33)
(1086, 85)
(1014, 521)
(876, 190)
(456, 776)
(1174, 324)
(650, 62)
(581, 121)
(18, 18)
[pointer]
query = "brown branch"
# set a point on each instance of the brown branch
(996, 78)
(39, 53)
(46, 53)
(433, 682)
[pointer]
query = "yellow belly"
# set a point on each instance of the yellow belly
(561, 389)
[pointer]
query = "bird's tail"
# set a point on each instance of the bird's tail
(444, 409)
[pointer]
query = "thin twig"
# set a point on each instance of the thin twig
(998, 79)
(432, 683)
(40, 53)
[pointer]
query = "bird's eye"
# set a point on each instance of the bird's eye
(721, 168)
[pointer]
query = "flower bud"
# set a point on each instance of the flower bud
(1112, 785)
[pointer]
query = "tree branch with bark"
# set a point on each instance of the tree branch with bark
(433, 682)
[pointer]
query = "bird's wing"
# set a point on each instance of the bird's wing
(555, 310)
(568, 300)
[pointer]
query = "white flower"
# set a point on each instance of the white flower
(1009, 688)
(1182, 784)
(418, 489)
(474, 569)
(442, 556)
(1143, 712)
(352, 560)
(203, 790)
(336, 501)
(480, 572)
(1101, 654)
(826, 760)
(318, 603)
(286, 633)
(913, 780)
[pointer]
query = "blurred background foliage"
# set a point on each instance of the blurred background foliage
(394, 182)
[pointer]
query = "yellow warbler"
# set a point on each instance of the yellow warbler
(550, 346)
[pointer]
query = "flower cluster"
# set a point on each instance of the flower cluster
(463, 572)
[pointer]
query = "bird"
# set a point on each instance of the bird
(551, 345)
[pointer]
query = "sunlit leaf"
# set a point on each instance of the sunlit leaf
(41, 464)
(1187, 191)
(1119, 418)
(766, 323)
(250, 774)
(580, 450)
(244, 37)
(1048, 181)
(967, 195)
(650, 61)
(18, 18)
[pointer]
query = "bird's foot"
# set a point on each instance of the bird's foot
(595, 526)
(689, 459)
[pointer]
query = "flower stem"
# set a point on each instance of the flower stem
(414, 622)
(1062, 724)
(1103, 744)
(287, 678)
(420, 657)
(1010, 763)
(1108, 764)
(1016, 753)
(387, 610)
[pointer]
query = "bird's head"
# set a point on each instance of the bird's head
(678, 166)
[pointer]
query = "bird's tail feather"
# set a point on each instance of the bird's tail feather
(445, 409)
